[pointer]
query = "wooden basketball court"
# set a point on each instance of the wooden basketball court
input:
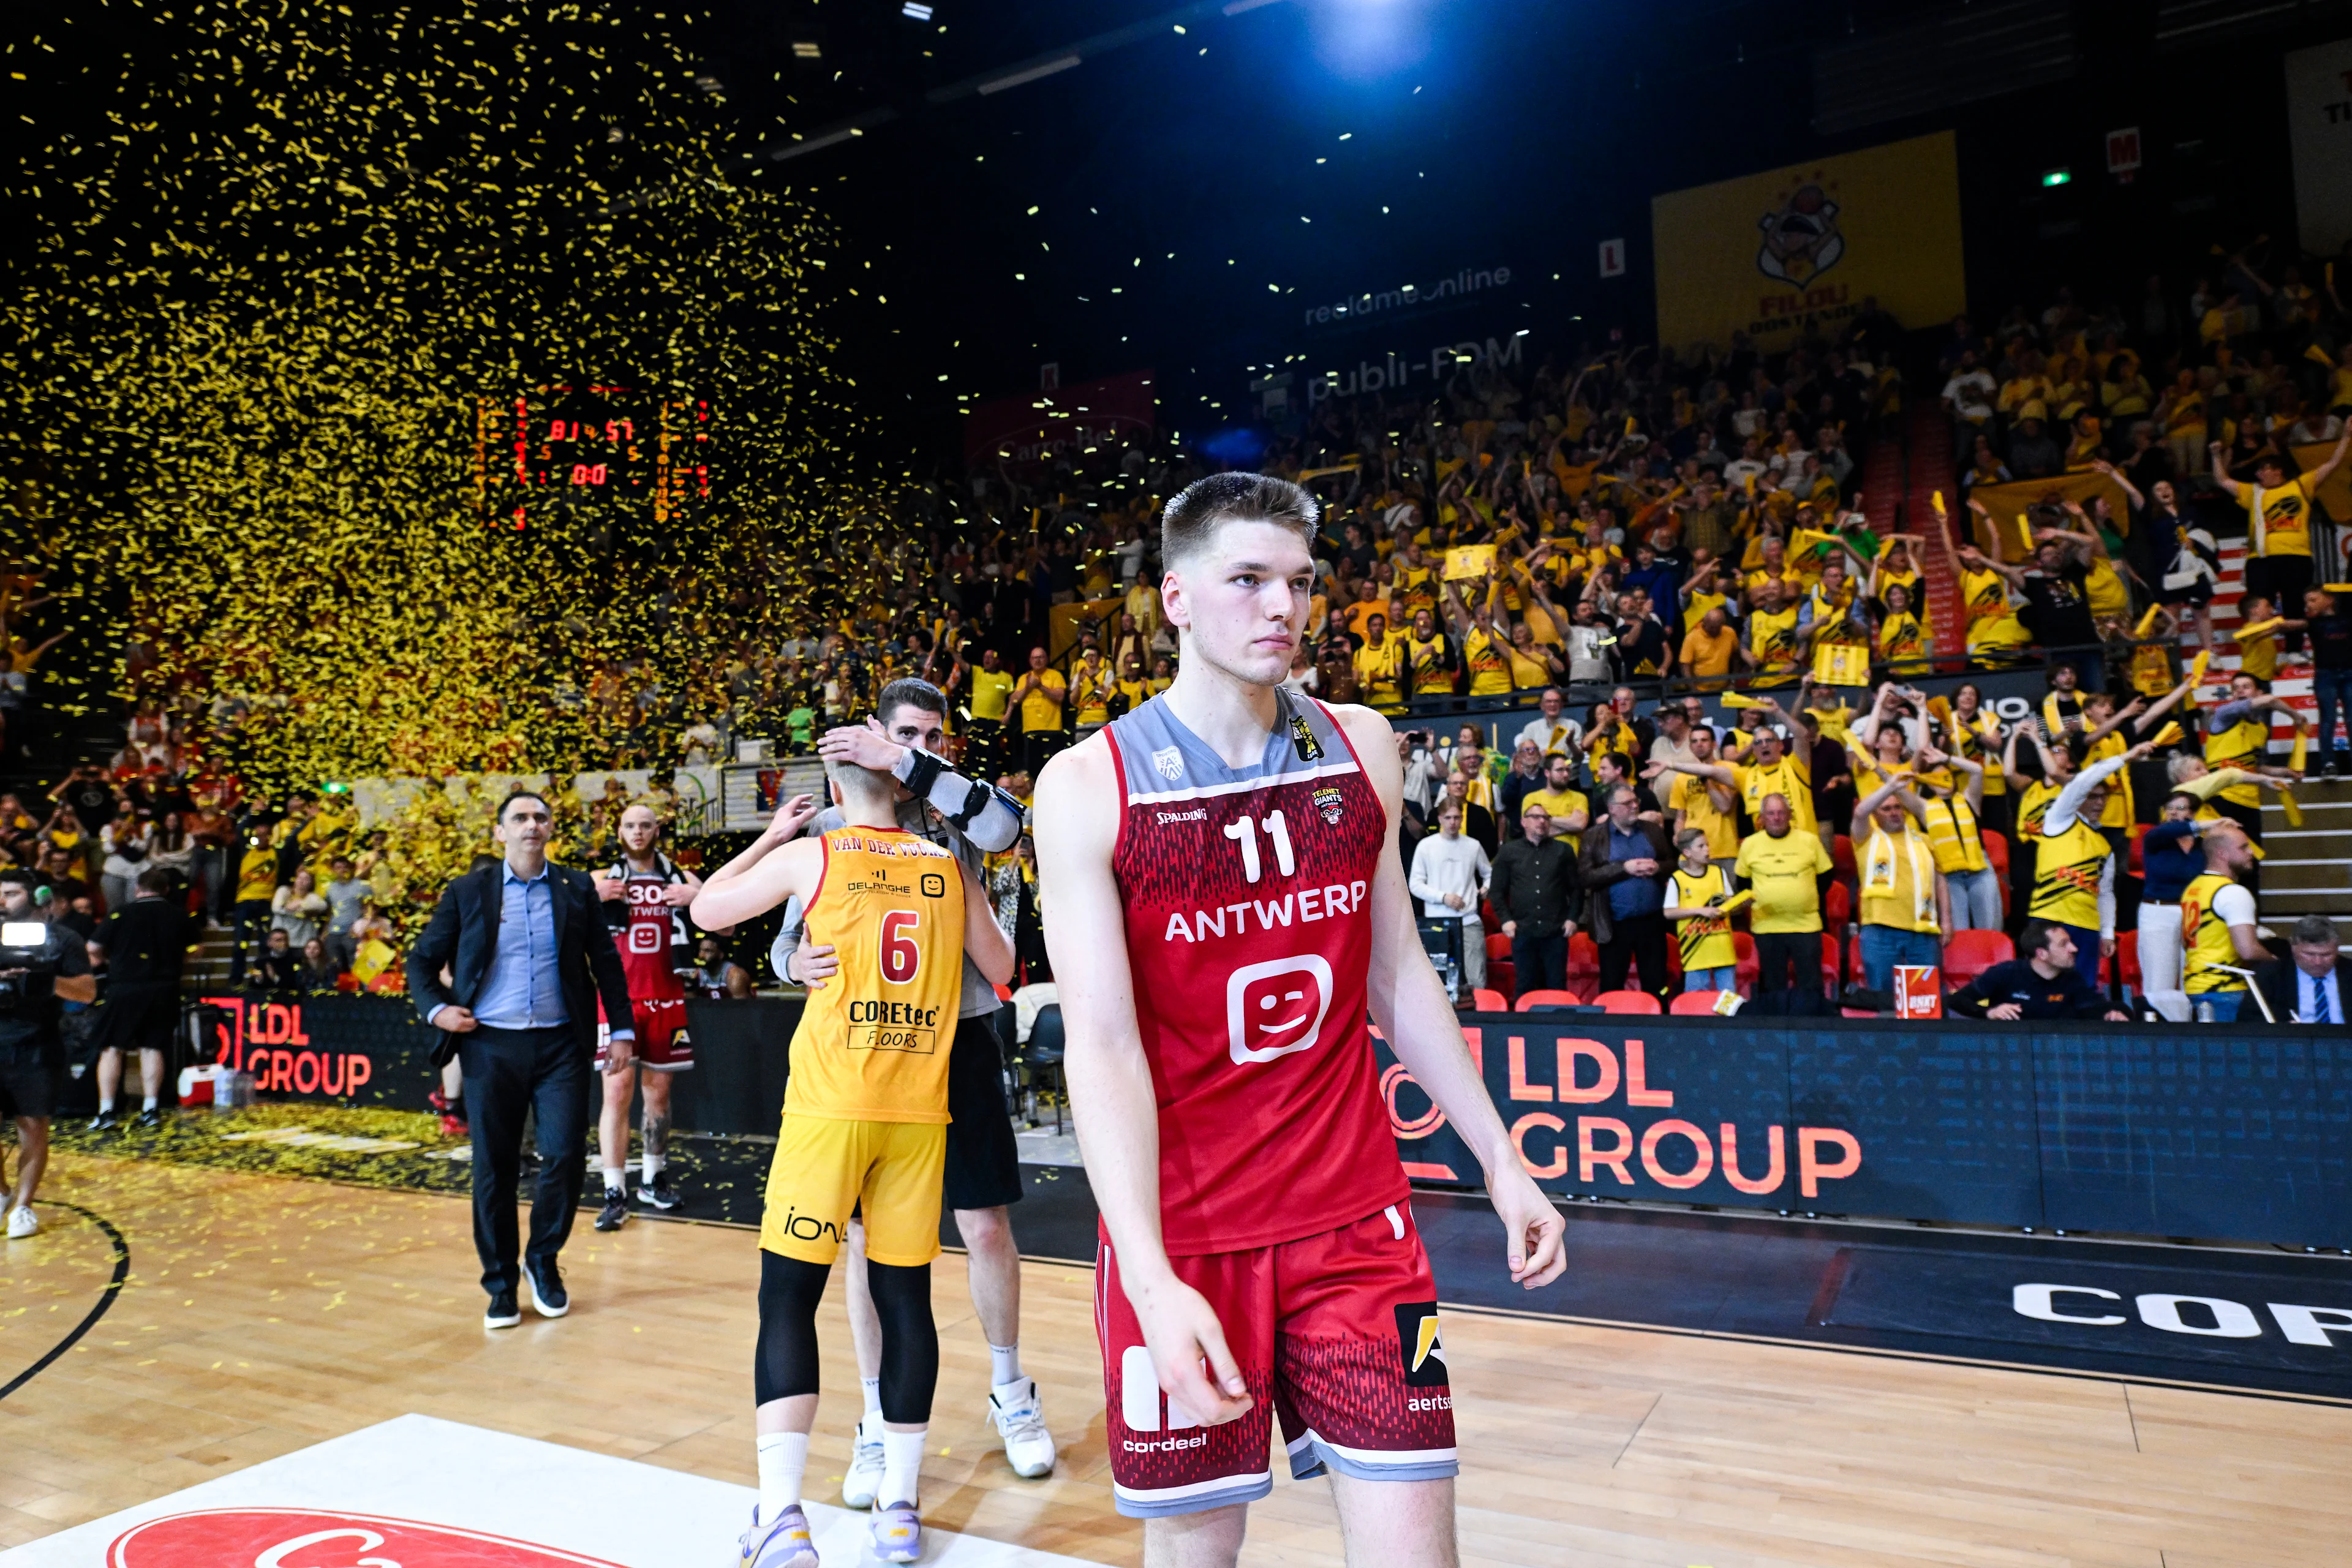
(261, 1316)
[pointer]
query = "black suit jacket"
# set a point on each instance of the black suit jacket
(2279, 982)
(462, 937)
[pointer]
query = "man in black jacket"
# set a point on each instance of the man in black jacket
(146, 942)
(1627, 868)
(2313, 986)
(2044, 984)
(1533, 889)
(529, 955)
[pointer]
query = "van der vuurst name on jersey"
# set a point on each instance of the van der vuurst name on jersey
(1305, 904)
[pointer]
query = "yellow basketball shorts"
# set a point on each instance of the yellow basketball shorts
(891, 1172)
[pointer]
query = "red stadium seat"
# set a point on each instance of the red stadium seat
(1498, 946)
(1692, 1002)
(1541, 998)
(1970, 953)
(1996, 849)
(1628, 1001)
(1853, 970)
(1583, 962)
(1502, 975)
(1837, 908)
(1833, 958)
(2138, 831)
(1744, 969)
(1842, 857)
(2127, 955)
(1486, 1001)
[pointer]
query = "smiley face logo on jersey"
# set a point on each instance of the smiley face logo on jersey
(1277, 1008)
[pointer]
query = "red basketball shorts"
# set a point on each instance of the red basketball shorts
(662, 1044)
(1335, 1332)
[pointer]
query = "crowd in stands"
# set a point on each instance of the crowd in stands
(1680, 522)
(2214, 412)
(1804, 853)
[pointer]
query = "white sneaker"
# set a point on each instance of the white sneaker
(22, 1222)
(1013, 1406)
(865, 1477)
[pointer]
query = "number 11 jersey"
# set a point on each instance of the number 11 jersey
(1248, 897)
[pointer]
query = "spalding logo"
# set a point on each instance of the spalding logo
(308, 1538)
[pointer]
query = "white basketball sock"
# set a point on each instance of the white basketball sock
(653, 1163)
(783, 1462)
(873, 1388)
(616, 1179)
(1004, 1363)
(902, 1466)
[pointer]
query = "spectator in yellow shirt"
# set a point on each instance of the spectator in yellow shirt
(1041, 692)
(1783, 867)
(1710, 647)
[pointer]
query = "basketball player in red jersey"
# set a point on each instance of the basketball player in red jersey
(1224, 905)
(651, 894)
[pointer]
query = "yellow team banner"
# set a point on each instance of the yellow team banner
(1467, 562)
(1794, 249)
(2007, 503)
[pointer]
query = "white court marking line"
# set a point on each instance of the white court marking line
(444, 1472)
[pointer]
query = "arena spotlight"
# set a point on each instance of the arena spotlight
(2051, 177)
(916, 10)
(807, 49)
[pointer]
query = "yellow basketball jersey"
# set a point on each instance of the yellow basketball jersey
(1952, 830)
(2245, 744)
(2204, 939)
(872, 1046)
(1705, 940)
(2066, 870)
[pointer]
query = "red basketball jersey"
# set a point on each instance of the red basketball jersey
(652, 939)
(1247, 895)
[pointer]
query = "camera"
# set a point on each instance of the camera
(24, 953)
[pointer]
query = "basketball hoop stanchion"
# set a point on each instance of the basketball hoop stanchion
(2248, 976)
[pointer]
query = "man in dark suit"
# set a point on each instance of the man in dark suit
(528, 956)
(2315, 984)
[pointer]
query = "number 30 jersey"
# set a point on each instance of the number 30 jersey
(873, 1044)
(1249, 929)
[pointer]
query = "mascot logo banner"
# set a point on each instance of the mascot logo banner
(1789, 251)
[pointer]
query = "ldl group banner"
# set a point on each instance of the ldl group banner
(2240, 1134)
(1790, 250)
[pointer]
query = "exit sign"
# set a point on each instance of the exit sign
(2122, 153)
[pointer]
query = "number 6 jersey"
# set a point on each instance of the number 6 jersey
(873, 1042)
(1247, 895)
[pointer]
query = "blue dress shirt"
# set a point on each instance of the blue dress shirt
(524, 989)
(2319, 998)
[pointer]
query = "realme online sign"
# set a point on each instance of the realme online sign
(2223, 1133)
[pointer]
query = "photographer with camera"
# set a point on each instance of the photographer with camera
(39, 965)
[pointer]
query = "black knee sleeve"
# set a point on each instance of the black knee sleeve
(785, 1361)
(910, 1340)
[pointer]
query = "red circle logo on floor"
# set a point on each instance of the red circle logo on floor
(311, 1538)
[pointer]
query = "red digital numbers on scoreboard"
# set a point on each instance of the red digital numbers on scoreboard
(617, 444)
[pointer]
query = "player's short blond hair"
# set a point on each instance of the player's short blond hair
(861, 786)
(1192, 520)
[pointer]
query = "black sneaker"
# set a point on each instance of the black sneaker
(658, 1192)
(615, 1212)
(149, 1118)
(105, 1121)
(503, 1312)
(546, 1287)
